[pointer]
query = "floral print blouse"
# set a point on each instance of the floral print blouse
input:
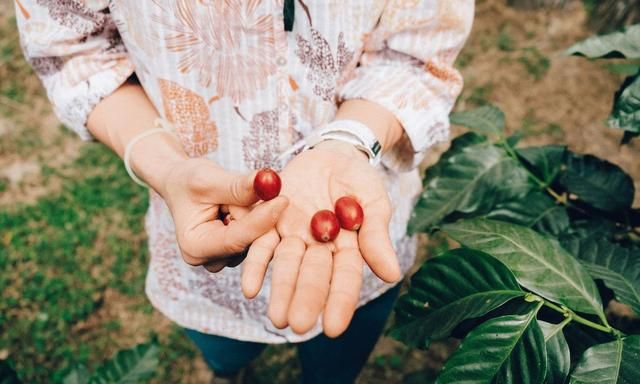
(240, 90)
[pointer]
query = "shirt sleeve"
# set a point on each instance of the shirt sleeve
(75, 49)
(407, 67)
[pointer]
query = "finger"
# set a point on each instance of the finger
(311, 290)
(344, 293)
(227, 187)
(286, 264)
(256, 263)
(375, 244)
(212, 239)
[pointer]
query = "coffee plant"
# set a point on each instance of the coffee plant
(624, 44)
(127, 366)
(548, 238)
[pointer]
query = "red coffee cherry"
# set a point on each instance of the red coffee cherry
(324, 226)
(267, 184)
(227, 219)
(349, 213)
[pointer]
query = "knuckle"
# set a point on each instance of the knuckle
(349, 270)
(198, 178)
(238, 190)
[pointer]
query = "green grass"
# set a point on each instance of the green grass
(480, 95)
(536, 64)
(504, 41)
(59, 255)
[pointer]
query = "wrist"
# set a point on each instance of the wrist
(379, 120)
(342, 147)
(155, 158)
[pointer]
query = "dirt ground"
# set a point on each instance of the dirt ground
(514, 59)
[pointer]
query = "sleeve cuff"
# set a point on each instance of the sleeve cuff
(412, 99)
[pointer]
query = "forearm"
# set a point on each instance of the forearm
(382, 122)
(126, 113)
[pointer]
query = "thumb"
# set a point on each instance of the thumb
(212, 239)
(232, 188)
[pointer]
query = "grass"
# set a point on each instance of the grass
(58, 256)
(536, 64)
(504, 41)
(480, 95)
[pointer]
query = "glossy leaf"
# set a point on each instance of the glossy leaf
(472, 181)
(610, 363)
(458, 145)
(79, 375)
(616, 266)
(598, 183)
(506, 349)
(129, 365)
(458, 285)
(488, 120)
(625, 43)
(580, 338)
(545, 161)
(626, 107)
(536, 210)
(539, 263)
(558, 358)
(592, 226)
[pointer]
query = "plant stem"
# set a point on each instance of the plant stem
(560, 198)
(535, 178)
(559, 327)
(579, 319)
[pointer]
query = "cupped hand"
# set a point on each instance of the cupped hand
(308, 277)
(195, 191)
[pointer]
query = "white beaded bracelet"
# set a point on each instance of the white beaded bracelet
(162, 126)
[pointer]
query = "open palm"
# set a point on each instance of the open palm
(311, 277)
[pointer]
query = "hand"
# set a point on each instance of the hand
(195, 191)
(311, 277)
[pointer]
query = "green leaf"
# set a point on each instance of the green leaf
(625, 43)
(626, 69)
(610, 363)
(7, 374)
(129, 365)
(506, 349)
(79, 375)
(598, 183)
(488, 120)
(458, 145)
(545, 162)
(626, 106)
(466, 140)
(587, 227)
(459, 285)
(472, 181)
(580, 338)
(616, 266)
(558, 358)
(536, 210)
(539, 263)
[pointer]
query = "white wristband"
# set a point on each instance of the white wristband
(162, 126)
(349, 131)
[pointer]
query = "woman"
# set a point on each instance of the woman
(196, 94)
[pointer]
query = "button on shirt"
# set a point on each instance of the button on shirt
(240, 90)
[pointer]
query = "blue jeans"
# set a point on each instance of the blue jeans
(323, 360)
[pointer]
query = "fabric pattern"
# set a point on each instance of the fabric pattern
(240, 90)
